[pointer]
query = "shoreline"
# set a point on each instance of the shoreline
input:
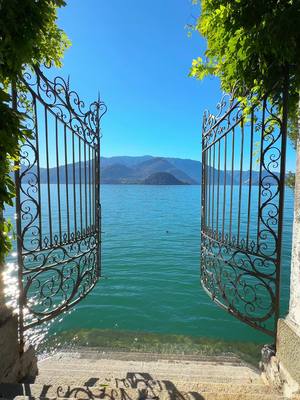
(113, 341)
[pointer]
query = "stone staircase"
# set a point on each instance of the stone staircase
(93, 374)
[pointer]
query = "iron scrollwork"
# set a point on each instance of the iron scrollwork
(58, 197)
(243, 160)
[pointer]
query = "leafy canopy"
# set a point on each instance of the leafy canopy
(252, 42)
(28, 36)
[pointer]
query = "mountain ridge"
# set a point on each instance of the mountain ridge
(190, 168)
(143, 166)
(134, 170)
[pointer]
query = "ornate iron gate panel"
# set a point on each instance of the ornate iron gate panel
(58, 198)
(243, 172)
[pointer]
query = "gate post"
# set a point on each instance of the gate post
(9, 347)
(288, 337)
(282, 369)
(15, 364)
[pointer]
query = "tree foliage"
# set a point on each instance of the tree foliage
(29, 35)
(253, 42)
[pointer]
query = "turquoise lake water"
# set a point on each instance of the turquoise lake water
(150, 268)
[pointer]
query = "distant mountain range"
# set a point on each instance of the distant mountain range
(132, 170)
(136, 170)
(129, 170)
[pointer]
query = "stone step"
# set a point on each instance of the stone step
(69, 376)
(136, 376)
(121, 371)
(98, 363)
(90, 353)
(91, 379)
(28, 392)
(152, 387)
(108, 361)
(120, 368)
(77, 370)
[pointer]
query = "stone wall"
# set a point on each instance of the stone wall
(288, 335)
(15, 366)
(294, 306)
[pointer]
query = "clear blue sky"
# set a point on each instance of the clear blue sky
(138, 54)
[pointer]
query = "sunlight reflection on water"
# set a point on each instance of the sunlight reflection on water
(152, 280)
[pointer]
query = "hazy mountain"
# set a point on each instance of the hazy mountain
(185, 170)
(134, 170)
(190, 167)
(160, 164)
(128, 161)
(188, 171)
(115, 173)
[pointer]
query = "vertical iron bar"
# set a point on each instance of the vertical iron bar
(203, 195)
(240, 183)
(58, 180)
(85, 190)
(224, 193)
(201, 264)
(80, 185)
(97, 191)
(48, 175)
(231, 184)
(74, 186)
(218, 189)
(67, 180)
(38, 172)
(94, 188)
(250, 178)
(213, 189)
(205, 176)
(259, 216)
(90, 188)
(208, 188)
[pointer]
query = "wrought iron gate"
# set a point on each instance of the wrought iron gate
(243, 172)
(58, 198)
